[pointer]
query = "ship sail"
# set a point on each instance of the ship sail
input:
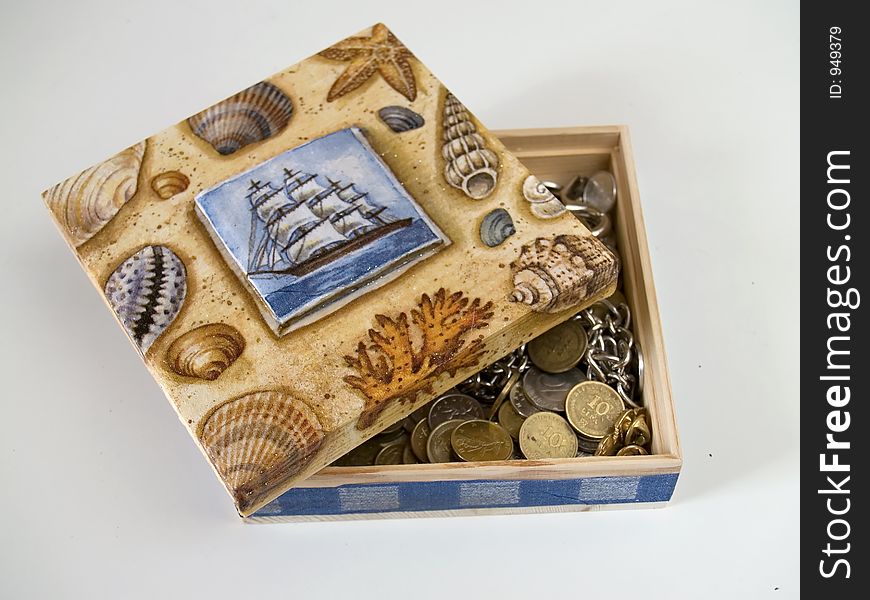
(304, 224)
(351, 223)
(315, 241)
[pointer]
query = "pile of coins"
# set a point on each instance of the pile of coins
(573, 391)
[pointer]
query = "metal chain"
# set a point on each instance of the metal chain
(610, 354)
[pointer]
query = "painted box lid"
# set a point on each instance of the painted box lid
(308, 261)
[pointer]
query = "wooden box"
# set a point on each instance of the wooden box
(578, 484)
(308, 261)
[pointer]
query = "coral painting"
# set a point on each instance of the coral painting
(390, 368)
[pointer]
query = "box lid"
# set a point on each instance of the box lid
(308, 261)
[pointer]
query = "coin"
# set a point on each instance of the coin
(505, 391)
(510, 419)
(418, 439)
(560, 348)
(547, 435)
(593, 408)
(548, 391)
(438, 448)
(521, 402)
(408, 456)
(587, 446)
(362, 455)
(391, 454)
(454, 406)
(600, 191)
(632, 450)
(479, 440)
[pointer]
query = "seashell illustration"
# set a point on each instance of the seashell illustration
(401, 119)
(85, 203)
(496, 227)
(259, 440)
(205, 352)
(252, 115)
(471, 166)
(168, 184)
(551, 275)
(146, 291)
(544, 204)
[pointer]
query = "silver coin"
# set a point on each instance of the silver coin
(521, 402)
(600, 191)
(548, 391)
(454, 406)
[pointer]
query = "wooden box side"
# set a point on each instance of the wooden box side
(554, 154)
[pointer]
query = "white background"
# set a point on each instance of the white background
(104, 495)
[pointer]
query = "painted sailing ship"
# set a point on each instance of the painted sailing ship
(303, 225)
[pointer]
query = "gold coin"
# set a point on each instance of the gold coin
(560, 348)
(438, 448)
(475, 441)
(419, 436)
(632, 450)
(510, 419)
(547, 435)
(390, 454)
(593, 409)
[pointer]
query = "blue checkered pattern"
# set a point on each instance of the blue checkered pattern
(455, 495)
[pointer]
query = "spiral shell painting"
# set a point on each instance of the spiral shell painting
(205, 352)
(542, 202)
(401, 119)
(551, 275)
(252, 115)
(471, 166)
(146, 292)
(168, 184)
(258, 441)
(496, 227)
(85, 203)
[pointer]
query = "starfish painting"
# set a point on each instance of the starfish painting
(382, 53)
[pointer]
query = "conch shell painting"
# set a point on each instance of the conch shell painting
(469, 165)
(85, 203)
(303, 263)
(552, 275)
(542, 202)
(258, 440)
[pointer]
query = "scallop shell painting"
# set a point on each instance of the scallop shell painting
(206, 351)
(552, 275)
(470, 165)
(303, 263)
(258, 440)
(146, 291)
(85, 203)
(250, 116)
